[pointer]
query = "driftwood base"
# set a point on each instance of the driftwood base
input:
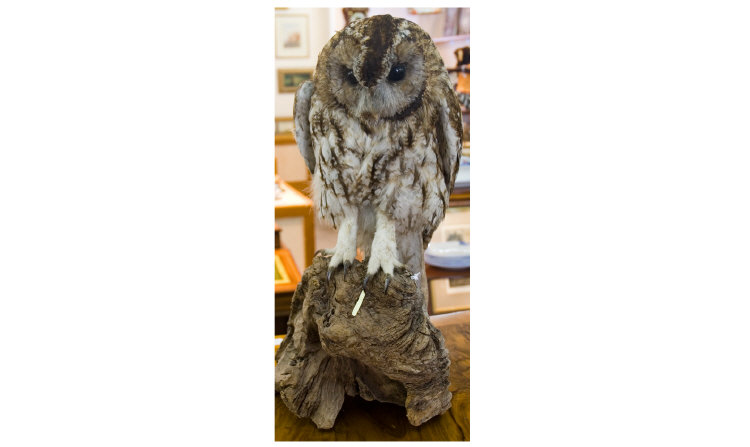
(388, 352)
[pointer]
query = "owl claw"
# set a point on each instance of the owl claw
(330, 270)
(387, 282)
(347, 264)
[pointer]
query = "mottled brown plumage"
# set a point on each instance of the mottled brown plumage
(379, 127)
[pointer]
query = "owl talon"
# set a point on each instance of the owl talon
(330, 270)
(347, 264)
(387, 282)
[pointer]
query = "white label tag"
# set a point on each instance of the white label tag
(359, 303)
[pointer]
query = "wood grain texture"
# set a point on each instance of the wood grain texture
(389, 352)
(360, 420)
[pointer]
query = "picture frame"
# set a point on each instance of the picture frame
(461, 233)
(284, 130)
(286, 275)
(292, 36)
(280, 274)
(291, 78)
(352, 14)
(284, 125)
(456, 226)
(450, 295)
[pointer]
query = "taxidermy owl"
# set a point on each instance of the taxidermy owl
(379, 127)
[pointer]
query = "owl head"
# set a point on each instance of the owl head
(378, 67)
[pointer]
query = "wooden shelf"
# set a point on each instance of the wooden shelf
(284, 138)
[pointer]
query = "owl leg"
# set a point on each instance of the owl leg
(383, 252)
(346, 245)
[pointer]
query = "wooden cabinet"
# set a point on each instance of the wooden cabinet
(294, 214)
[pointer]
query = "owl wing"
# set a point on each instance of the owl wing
(302, 123)
(450, 133)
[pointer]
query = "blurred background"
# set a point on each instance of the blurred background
(300, 34)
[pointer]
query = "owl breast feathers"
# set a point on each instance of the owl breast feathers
(379, 127)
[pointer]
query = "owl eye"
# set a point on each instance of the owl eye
(398, 72)
(350, 77)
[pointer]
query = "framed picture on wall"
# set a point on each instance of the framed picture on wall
(284, 125)
(292, 36)
(284, 130)
(461, 233)
(291, 78)
(352, 14)
(450, 295)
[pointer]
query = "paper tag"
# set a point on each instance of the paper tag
(359, 303)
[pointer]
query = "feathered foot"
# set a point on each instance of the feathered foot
(383, 252)
(346, 247)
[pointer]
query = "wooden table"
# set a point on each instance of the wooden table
(360, 420)
(295, 204)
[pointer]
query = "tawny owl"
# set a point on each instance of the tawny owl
(379, 127)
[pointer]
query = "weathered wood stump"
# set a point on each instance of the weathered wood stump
(389, 351)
